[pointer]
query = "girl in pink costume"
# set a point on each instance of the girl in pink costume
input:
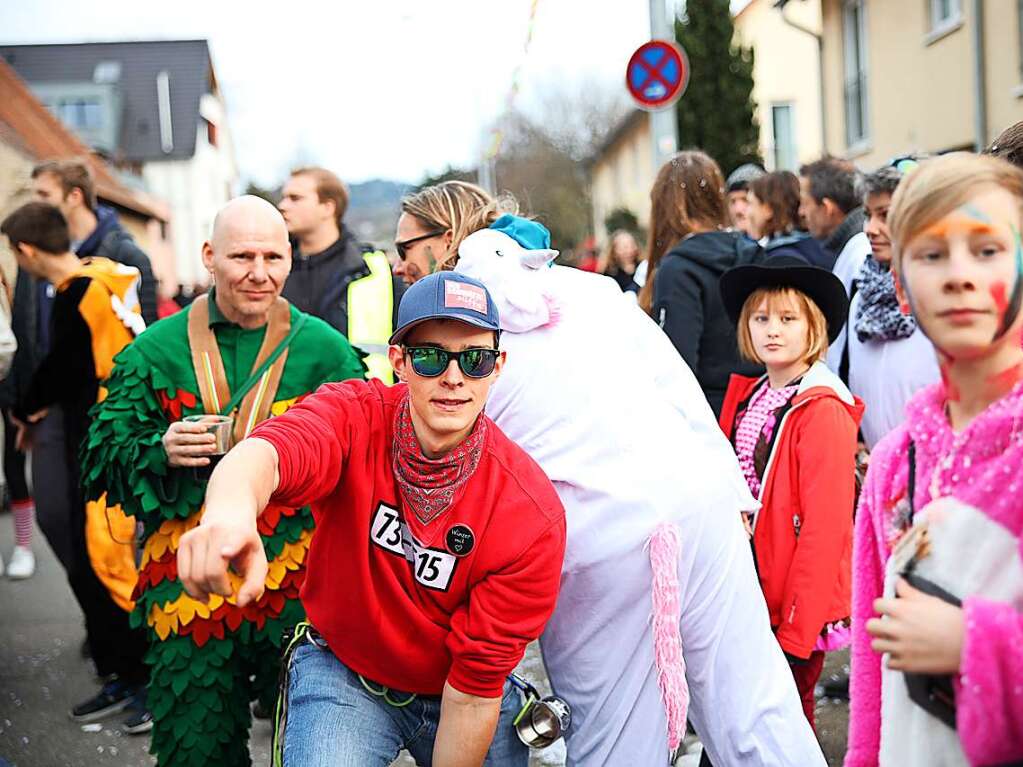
(938, 575)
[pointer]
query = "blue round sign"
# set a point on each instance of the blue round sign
(658, 74)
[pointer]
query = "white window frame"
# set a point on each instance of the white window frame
(793, 147)
(940, 25)
(855, 70)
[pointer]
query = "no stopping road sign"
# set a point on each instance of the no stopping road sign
(658, 74)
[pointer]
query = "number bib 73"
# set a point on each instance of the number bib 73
(432, 568)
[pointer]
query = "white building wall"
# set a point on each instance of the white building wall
(195, 190)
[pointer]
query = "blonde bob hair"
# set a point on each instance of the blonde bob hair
(939, 186)
(457, 207)
(784, 297)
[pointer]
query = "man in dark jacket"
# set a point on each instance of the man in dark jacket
(688, 307)
(334, 277)
(831, 202)
(95, 230)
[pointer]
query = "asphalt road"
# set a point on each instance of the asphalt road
(42, 675)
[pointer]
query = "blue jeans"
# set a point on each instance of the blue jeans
(333, 721)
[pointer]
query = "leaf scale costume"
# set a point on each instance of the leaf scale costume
(202, 656)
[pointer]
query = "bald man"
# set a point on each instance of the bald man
(244, 354)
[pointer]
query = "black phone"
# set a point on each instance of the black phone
(934, 693)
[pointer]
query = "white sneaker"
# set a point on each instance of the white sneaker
(23, 563)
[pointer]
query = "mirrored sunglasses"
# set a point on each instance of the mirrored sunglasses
(430, 362)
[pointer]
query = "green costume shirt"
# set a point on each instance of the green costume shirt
(198, 649)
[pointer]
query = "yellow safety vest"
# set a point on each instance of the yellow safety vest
(370, 312)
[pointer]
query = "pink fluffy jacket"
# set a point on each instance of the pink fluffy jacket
(983, 468)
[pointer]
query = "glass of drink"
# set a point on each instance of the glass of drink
(221, 427)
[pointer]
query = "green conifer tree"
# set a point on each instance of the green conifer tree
(716, 113)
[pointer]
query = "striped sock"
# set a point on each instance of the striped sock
(24, 514)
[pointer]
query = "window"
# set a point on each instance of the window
(79, 113)
(107, 72)
(855, 64)
(784, 137)
(944, 13)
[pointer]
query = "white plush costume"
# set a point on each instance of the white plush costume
(597, 395)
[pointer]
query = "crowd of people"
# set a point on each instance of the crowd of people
(346, 496)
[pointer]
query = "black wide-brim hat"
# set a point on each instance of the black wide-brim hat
(823, 288)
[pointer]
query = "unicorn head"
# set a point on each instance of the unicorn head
(510, 258)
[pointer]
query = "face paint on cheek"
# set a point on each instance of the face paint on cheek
(1012, 306)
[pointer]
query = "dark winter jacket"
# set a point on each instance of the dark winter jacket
(688, 307)
(318, 283)
(851, 225)
(109, 240)
(801, 245)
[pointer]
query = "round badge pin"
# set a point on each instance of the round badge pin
(460, 540)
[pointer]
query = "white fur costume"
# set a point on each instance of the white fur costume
(597, 395)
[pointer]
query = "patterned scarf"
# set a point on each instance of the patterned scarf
(428, 485)
(878, 317)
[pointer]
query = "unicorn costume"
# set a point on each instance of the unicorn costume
(659, 599)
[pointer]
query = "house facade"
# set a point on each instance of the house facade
(786, 78)
(154, 110)
(31, 134)
(622, 173)
(920, 75)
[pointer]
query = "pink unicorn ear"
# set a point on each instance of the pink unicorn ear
(535, 259)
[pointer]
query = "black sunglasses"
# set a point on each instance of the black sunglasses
(430, 362)
(402, 246)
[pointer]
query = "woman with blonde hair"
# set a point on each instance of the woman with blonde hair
(691, 246)
(436, 219)
(794, 432)
(620, 259)
(937, 573)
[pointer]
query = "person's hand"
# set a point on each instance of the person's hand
(188, 444)
(205, 552)
(921, 634)
(747, 524)
(22, 435)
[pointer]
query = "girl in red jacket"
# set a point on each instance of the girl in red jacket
(794, 431)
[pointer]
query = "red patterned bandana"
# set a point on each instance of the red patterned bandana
(428, 485)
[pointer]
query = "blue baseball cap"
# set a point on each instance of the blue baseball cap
(446, 296)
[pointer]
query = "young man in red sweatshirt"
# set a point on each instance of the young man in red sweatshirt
(437, 554)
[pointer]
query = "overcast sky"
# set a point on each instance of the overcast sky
(370, 88)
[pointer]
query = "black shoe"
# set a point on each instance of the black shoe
(114, 697)
(140, 720)
(837, 687)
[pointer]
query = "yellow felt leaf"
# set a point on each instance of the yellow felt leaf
(163, 623)
(282, 405)
(275, 572)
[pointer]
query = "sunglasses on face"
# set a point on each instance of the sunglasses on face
(402, 246)
(430, 362)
